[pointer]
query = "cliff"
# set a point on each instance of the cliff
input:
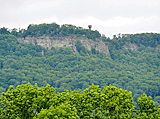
(65, 41)
(70, 41)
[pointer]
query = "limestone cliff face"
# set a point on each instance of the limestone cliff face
(131, 46)
(158, 47)
(68, 41)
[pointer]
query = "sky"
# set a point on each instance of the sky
(109, 17)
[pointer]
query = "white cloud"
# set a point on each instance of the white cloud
(107, 16)
(118, 21)
(112, 26)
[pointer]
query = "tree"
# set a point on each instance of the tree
(4, 30)
(146, 105)
(14, 32)
(78, 45)
(64, 111)
(147, 108)
(25, 101)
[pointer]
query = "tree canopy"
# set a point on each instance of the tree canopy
(27, 101)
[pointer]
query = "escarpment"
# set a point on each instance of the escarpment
(65, 41)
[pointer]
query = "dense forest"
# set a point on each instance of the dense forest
(137, 71)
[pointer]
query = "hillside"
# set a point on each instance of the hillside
(132, 62)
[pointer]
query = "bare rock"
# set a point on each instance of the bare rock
(68, 41)
(131, 46)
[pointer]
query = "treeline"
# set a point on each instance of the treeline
(145, 39)
(31, 102)
(141, 40)
(34, 30)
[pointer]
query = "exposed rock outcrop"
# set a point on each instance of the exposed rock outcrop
(68, 41)
(158, 47)
(131, 46)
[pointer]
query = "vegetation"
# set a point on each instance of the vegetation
(52, 29)
(137, 71)
(27, 102)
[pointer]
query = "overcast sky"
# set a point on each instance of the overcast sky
(109, 17)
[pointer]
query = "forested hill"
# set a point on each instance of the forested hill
(133, 70)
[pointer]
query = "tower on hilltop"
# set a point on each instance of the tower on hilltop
(89, 26)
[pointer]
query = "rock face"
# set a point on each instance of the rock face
(158, 47)
(131, 46)
(68, 41)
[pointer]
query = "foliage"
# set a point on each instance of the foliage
(137, 71)
(63, 111)
(147, 108)
(52, 30)
(27, 101)
(111, 102)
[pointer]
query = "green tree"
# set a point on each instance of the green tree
(146, 105)
(4, 30)
(63, 111)
(25, 101)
